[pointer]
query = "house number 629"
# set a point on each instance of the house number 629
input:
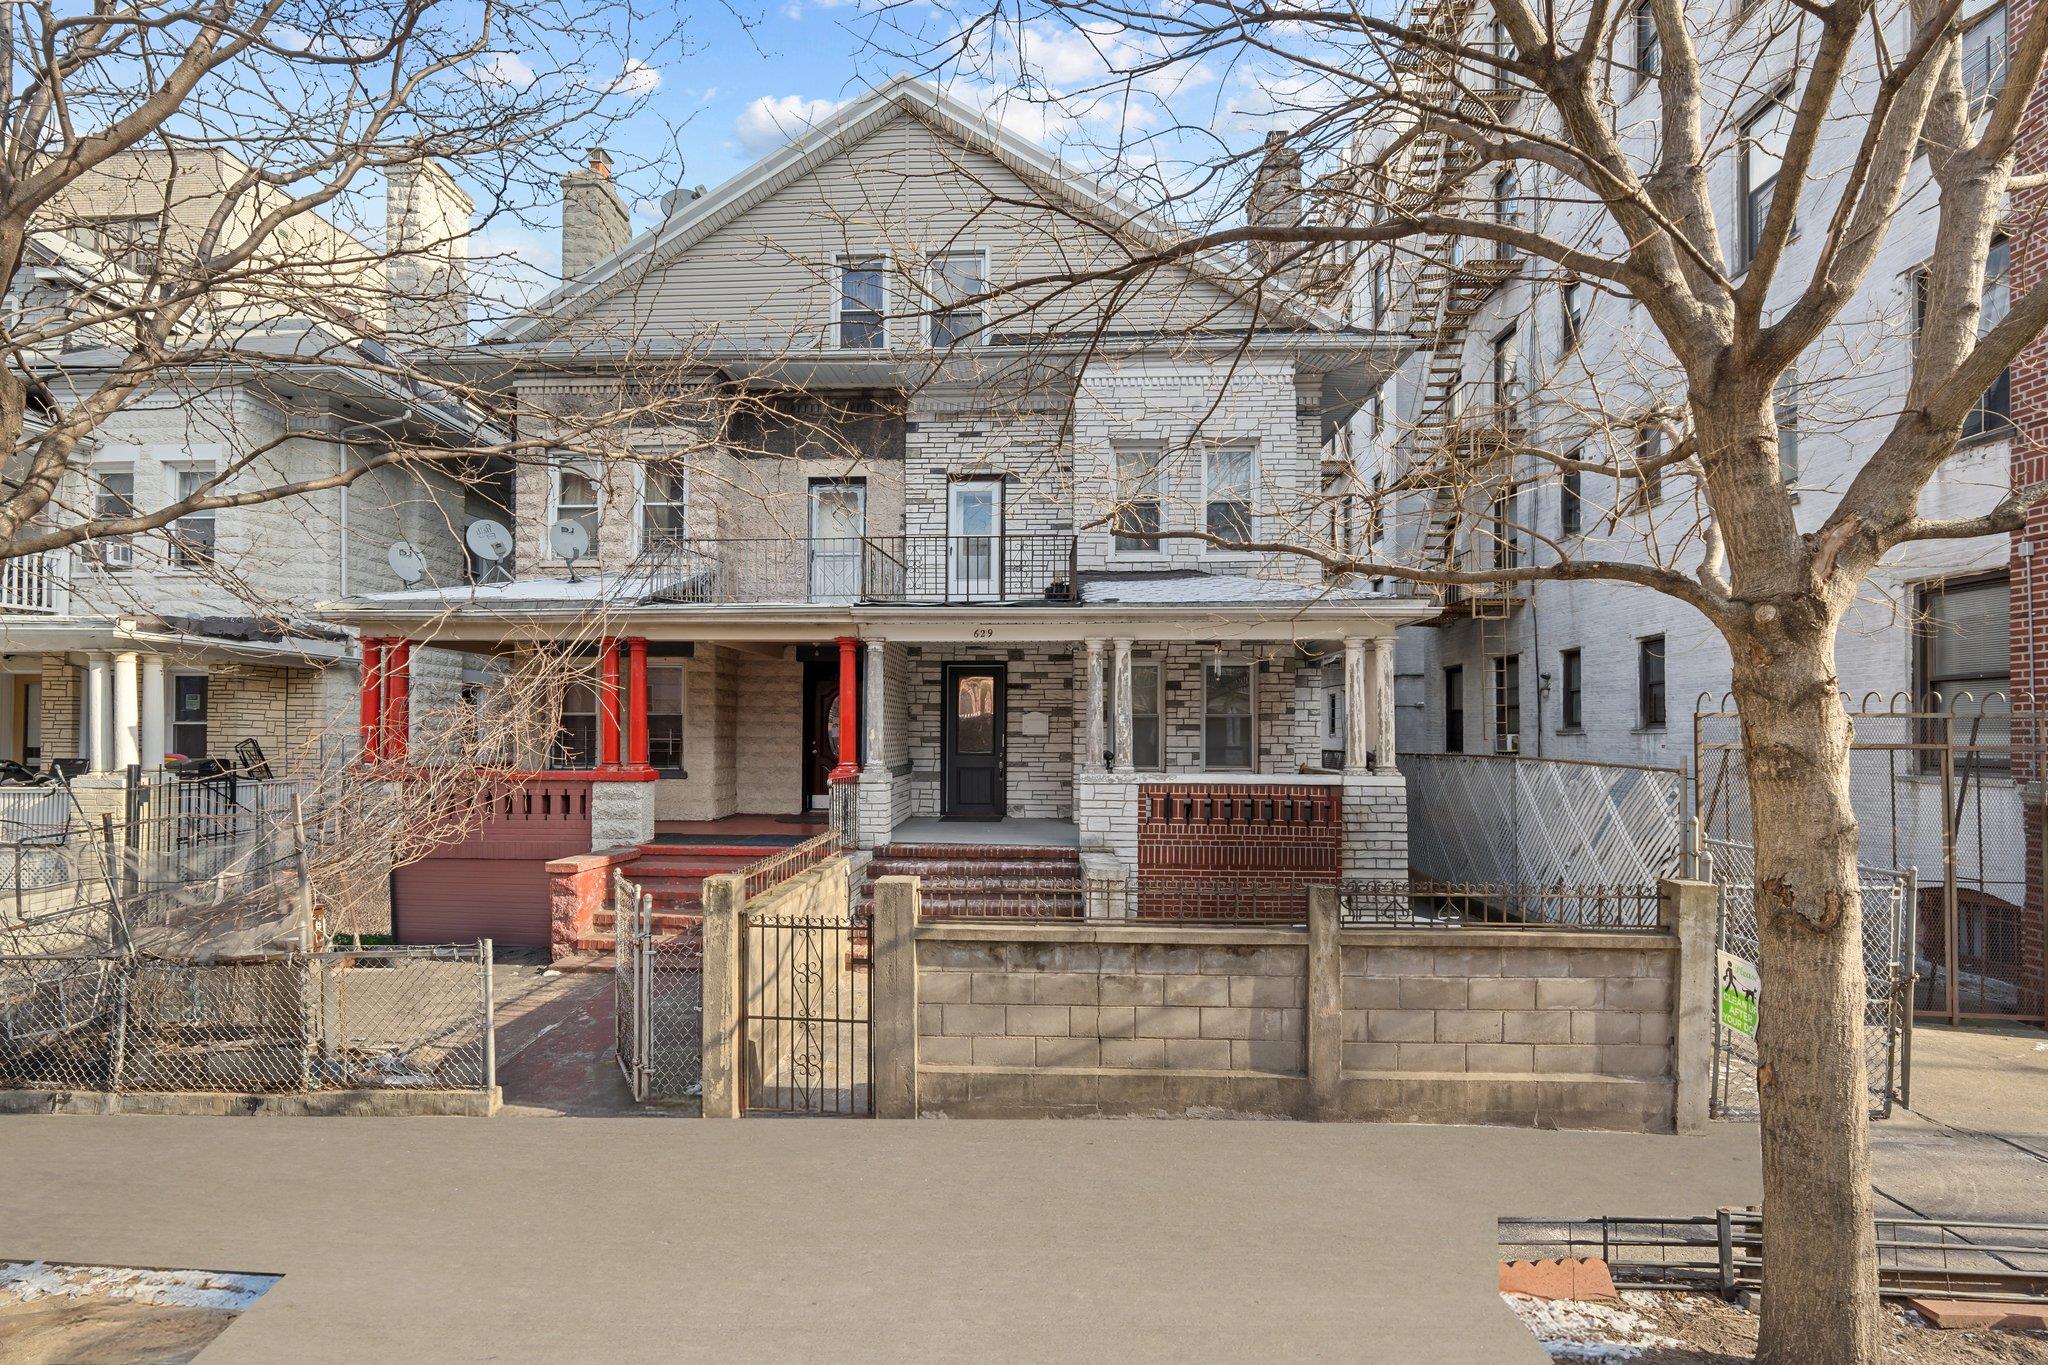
(984, 632)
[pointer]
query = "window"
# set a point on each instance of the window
(1507, 703)
(192, 534)
(1571, 503)
(1503, 527)
(577, 499)
(128, 240)
(575, 743)
(1966, 648)
(1650, 682)
(1136, 516)
(1572, 313)
(1226, 716)
(1147, 683)
(1763, 142)
(1649, 474)
(863, 295)
(664, 498)
(1227, 478)
(1454, 710)
(188, 715)
(1649, 53)
(665, 716)
(113, 496)
(1507, 379)
(1507, 211)
(1785, 410)
(956, 275)
(1984, 57)
(1993, 413)
(1502, 46)
(1571, 714)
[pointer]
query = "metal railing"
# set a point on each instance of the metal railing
(765, 874)
(1502, 905)
(37, 583)
(355, 1019)
(890, 569)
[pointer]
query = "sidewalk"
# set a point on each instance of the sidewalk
(1974, 1144)
(632, 1239)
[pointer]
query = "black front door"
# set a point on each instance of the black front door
(821, 733)
(974, 725)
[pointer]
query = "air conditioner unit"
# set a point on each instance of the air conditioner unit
(1507, 744)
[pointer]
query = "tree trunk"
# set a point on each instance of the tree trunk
(1820, 1301)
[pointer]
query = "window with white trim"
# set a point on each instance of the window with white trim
(1572, 298)
(188, 714)
(1228, 477)
(113, 496)
(664, 500)
(1507, 211)
(1136, 517)
(1507, 703)
(578, 497)
(1228, 690)
(1649, 46)
(957, 275)
(1984, 59)
(1765, 136)
(1965, 659)
(861, 314)
(192, 535)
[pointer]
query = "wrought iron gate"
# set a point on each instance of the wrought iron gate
(657, 999)
(806, 1043)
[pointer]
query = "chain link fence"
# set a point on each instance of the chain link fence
(658, 999)
(362, 1019)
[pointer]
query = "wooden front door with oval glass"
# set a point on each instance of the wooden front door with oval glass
(973, 759)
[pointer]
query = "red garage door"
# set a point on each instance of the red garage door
(494, 883)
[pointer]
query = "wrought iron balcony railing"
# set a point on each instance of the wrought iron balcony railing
(934, 569)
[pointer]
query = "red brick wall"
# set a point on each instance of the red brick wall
(1231, 850)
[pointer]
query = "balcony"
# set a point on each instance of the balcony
(37, 584)
(909, 569)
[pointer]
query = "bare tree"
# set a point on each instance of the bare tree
(1845, 115)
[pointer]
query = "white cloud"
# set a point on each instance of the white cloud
(636, 78)
(772, 120)
(504, 68)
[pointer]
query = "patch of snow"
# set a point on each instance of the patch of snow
(221, 1291)
(1570, 1330)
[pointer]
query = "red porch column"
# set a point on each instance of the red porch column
(849, 711)
(636, 704)
(397, 701)
(372, 708)
(608, 705)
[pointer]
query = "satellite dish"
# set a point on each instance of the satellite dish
(407, 563)
(570, 542)
(489, 540)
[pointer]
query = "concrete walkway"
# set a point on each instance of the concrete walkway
(630, 1239)
(1974, 1144)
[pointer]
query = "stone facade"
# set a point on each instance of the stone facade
(1042, 689)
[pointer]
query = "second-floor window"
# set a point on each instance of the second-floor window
(1571, 502)
(192, 535)
(1785, 409)
(1572, 313)
(1136, 518)
(1649, 473)
(664, 501)
(863, 303)
(577, 499)
(113, 497)
(956, 276)
(1506, 371)
(1984, 59)
(1762, 155)
(1507, 703)
(1650, 682)
(1571, 690)
(1507, 211)
(1993, 414)
(1507, 548)
(1228, 475)
(1649, 53)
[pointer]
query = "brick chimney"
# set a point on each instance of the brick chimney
(426, 230)
(1275, 199)
(594, 217)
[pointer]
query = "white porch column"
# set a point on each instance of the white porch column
(127, 709)
(1357, 706)
(1091, 732)
(154, 733)
(1379, 692)
(875, 700)
(98, 747)
(1121, 684)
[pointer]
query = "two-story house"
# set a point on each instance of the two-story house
(960, 548)
(192, 641)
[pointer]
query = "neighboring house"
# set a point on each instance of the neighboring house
(913, 563)
(189, 641)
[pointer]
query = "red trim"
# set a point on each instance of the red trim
(608, 706)
(397, 703)
(636, 712)
(372, 703)
(849, 711)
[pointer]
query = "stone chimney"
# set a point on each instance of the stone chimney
(594, 218)
(426, 230)
(1275, 200)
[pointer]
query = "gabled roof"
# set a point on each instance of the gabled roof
(847, 128)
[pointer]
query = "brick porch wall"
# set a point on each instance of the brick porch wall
(2028, 230)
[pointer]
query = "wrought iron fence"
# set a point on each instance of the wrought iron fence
(369, 1018)
(894, 569)
(1424, 904)
(765, 874)
(1510, 820)
(658, 998)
